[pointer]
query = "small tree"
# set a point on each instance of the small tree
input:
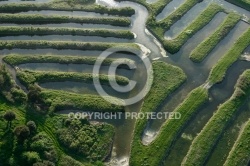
(31, 157)
(9, 116)
(34, 92)
(32, 126)
(22, 132)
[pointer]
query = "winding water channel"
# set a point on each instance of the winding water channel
(196, 73)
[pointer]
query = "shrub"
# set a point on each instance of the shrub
(9, 116)
(44, 146)
(22, 132)
(33, 94)
(91, 141)
(9, 89)
(31, 157)
(32, 126)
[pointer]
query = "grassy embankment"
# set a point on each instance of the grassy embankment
(56, 19)
(241, 3)
(28, 77)
(61, 100)
(168, 133)
(65, 6)
(17, 59)
(164, 83)
(41, 44)
(240, 153)
(203, 144)
(219, 70)
(159, 28)
(174, 45)
(42, 31)
(204, 48)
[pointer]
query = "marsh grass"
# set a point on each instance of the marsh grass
(203, 144)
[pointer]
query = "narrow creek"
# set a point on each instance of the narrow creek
(196, 73)
(68, 38)
(219, 93)
(171, 7)
(187, 19)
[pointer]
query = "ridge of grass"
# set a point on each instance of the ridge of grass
(159, 28)
(65, 6)
(164, 83)
(17, 59)
(42, 31)
(203, 144)
(28, 77)
(169, 131)
(55, 19)
(42, 44)
(61, 100)
(174, 45)
(204, 48)
(219, 70)
(240, 153)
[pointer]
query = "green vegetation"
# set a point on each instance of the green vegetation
(219, 70)
(241, 3)
(65, 5)
(174, 16)
(9, 89)
(28, 77)
(201, 21)
(166, 79)
(22, 132)
(203, 144)
(42, 44)
(55, 19)
(240, 153)
(9, 116)
(17, 59)
(19, 145)
(42, 31)
(38, 142)
(159, 28)
(168, 133)
(163, 84)
(203, 49)
(99, 138)
(60, 100)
